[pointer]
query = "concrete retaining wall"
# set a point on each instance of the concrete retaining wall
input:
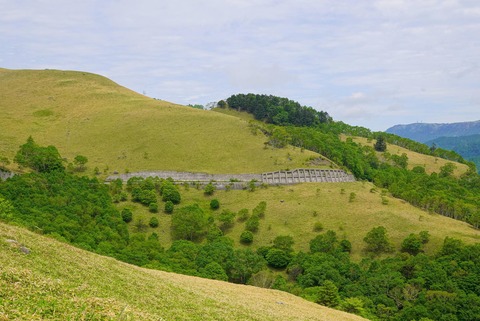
(301, 175)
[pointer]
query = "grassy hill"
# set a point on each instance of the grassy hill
(430, 163)
(294, 210)
(118, 129)
(56, 281)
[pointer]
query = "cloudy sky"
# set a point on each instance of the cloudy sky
(369, 63)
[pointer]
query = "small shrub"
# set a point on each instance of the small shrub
(352, 197)
(153, 222)
(127, 215)
(252, 224)
(214, 204)
(246, 237)
(318, 227)
(169, 207)
(243, 215)
(153, 207)
(209, 189)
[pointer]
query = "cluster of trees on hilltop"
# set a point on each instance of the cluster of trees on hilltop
(277, 110)
(283, 111)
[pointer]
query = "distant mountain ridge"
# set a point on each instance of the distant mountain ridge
(424, 132)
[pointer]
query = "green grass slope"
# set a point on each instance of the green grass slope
(118, 129)
(294, 210)
(60, 282)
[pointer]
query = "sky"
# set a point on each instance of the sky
(371, 63)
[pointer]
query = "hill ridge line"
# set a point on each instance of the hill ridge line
(280, 177)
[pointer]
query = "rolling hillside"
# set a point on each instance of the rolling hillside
(56, 281)
(119, 130)
(294, 210)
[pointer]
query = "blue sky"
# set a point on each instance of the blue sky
(368, 63)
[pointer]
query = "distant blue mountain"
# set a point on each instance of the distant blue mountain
(463, 138)
(423, 132)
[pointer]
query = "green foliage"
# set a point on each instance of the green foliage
(246, 237)
(40, 159)
(276, 110)
(259, 210)
(6, 210)
(245, 263)
(214, 271)
(153, 207)
(169, 207)
(171, 193)
(127, 215)
(377, 241)
(78, 209)
(153, 222)
(214, 204)
(381, 144)
(80, 161)
(412, 244)
(447, 170)
(227, 219)
(277, 258)
(252, 224)
(209, 189)
(189, 223)
(326, 243)
(284, 243)
(243, 215)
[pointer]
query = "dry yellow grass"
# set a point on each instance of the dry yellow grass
(430, 163)
(60, 282)
(119, 130)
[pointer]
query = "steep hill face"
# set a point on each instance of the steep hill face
(120, 130)
(422, 132)
(43, 279)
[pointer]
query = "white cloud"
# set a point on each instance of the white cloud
(356, 60)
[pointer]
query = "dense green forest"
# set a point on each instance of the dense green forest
(408, 285)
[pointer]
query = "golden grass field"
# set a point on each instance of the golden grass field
(120, 130)
(57, 281)
(293, 210)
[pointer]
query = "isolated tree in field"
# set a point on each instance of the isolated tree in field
(80, 161)
(412, 244)
(246, 237)
(153, 222)
(214, 204)
(377, 241)
(381, 144)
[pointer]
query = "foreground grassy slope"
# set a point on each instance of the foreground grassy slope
(59, 282)
(293, 210)
(118, 129)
